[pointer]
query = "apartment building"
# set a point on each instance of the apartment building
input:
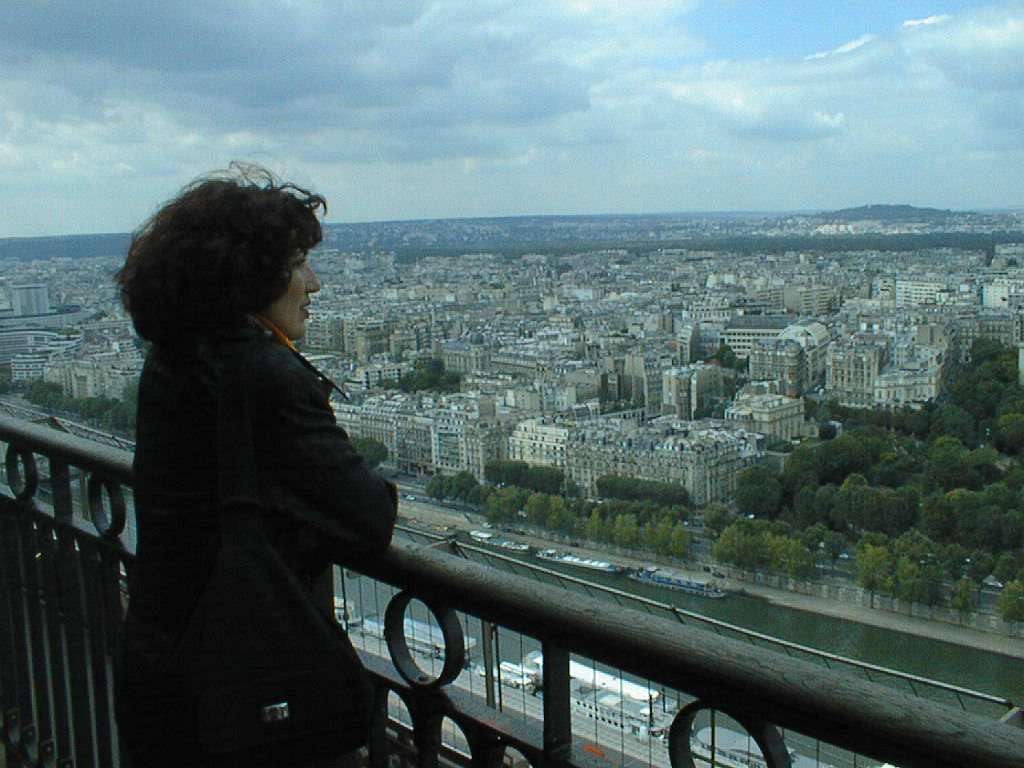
(705, 460)
(772, 415)
(741, 333)
(540, 442)
(854, 364)
(782, 361)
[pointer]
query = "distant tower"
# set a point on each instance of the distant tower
(1020, 364)
(30, 300)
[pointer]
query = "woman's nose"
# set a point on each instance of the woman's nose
(312, 282)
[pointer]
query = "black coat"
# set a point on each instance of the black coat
(306, 468)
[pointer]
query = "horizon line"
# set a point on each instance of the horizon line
(738, 212)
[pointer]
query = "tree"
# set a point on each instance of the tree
(801, 469)
(633, 489)
(1010, 604)
(626, 532)
(503, 504)
(964, 597)
(946, 465)
(953, 421)
(679, 546)
(463, 485)
(46, 395)
(834, 545)
(373, 451)
(843, 456)
(984, 350)
(918, 582)
(657, 536)
(547, 480)
(791, 557)
(537, 508)
(595, 528)
(803, 511)
(874, 568)
(560, 516)
(939, 517)
(717, 518)
(429, 373)
(437, 488)
(758, 492)
(1010, 432)
(894, 469)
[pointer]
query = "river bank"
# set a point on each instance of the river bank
(435, 518)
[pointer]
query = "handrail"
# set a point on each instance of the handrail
(112, 463)
(838, 708)
(717, 624)
(762, 689)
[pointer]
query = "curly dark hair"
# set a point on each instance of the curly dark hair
(219, 250)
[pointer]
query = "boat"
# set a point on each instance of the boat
(512, 546)
(609, 699)
(732, 749)
(514, 675)
(580, 562)
(488, 538)
(422, 638)
(588, 675)
(672, 580)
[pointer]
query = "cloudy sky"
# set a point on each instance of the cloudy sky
(399, 109)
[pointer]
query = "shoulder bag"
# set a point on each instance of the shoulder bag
(270, 679)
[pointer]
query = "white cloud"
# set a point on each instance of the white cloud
(509, 106)
(982, 51)
(853, 45)
(926, 22)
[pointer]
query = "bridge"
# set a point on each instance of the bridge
(65, 541)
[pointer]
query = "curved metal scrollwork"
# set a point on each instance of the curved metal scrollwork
(398, 645)
(23, 486)
(108, 525)
(682, 740)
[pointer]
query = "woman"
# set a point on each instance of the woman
(218, 281)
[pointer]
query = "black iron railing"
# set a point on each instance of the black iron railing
(63, 549)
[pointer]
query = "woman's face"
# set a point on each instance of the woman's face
(290, 311)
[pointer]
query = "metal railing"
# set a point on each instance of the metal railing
(61, 600)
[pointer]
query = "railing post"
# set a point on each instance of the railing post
(557, 717)
(60, 484)
(487, 642)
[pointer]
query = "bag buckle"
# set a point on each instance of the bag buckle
(275, 713)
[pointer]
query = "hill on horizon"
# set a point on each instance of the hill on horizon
(887, 212)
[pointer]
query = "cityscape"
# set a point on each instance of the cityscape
(700, 352)
(686, 337)
(782, 396)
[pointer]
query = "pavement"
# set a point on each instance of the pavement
(436, 518)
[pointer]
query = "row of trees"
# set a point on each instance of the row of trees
(631, 489)
(462, 486)
(906, 568)
(549, 480)
(102, 412)
(627, 524)
(633, 514)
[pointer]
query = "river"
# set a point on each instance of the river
(974, 669)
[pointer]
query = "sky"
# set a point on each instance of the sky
(408, 109)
